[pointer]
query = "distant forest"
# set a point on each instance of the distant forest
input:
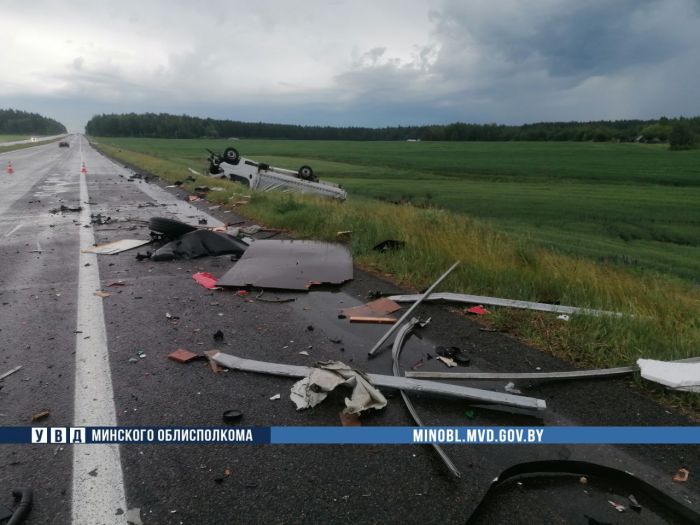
(163, 125)
(15, 122)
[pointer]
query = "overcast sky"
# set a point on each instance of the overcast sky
(369, 63)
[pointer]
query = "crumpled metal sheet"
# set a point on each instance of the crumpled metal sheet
(290, 265)
(314, 388)
(682, 376)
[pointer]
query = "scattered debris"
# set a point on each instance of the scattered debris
(232, 416)
(205, 279)
(171, 317)
(379, 308)
(583, 480)
(510, 388)
(200, 243)
(395, 353)
(455, 353)
(41, 415)
(325, 377)
(115, 247)
(617, 506)
(10, 372)
(98, 218)
(142, 256)
(563, 317)
(23, 504)
(408, 312)
(478, 310)
(290, 265)
(276, 397)
(304, 352)
(388, 245)
(349, 420)
(682, 475)
(447, 361)
(383, 381)
(634, 504)
(218, 335)
(213, 364)
(102, 294)
(183, 356)
(66, 209)
(133, 516)
(676, 375)
(116, 283)
(376, 320)
(510, 303)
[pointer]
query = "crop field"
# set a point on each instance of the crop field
(635, 205)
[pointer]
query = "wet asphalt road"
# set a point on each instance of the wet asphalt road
(41, 273)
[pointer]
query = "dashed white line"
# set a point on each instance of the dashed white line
(98, 481)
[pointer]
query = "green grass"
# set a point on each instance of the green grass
(664, 321)
(12, 138)
(630, 204)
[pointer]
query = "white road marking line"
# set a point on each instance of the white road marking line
(96, 498)
(14, 230)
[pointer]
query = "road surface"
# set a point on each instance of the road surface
(80, 359)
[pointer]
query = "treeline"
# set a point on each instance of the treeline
(15, 122)
(151, 125)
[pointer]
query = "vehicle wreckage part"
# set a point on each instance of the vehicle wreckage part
(200, 243)
(290, 265)
(585, 468)
(24, 497)
(306, 173)
(399, 383)
(514, 376)
(510, 303)
(170, 227)
(420, 299)
(395, 353)
(232, 156)
(11, 371)
(681, 376)
(115, 247)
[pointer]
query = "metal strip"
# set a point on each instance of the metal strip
(420, 299)
(395, 352)
(514, 376)
(510, 303)
(399, 383)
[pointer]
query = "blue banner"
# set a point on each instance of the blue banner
(352, 435)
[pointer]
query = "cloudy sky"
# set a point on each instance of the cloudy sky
(360, 62)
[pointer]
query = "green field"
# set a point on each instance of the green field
(12, 138)
(630, 204)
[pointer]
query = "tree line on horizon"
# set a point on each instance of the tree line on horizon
(163, 125)
(16, 122)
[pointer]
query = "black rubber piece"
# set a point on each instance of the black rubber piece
(231, 156)
(232, 416)
(24, 497)
(170, 227)
(585, 468)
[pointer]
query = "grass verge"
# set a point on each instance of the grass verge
(663, 321)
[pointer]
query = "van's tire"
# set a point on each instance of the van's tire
(306, 173)
(170, 227)
(231, 156)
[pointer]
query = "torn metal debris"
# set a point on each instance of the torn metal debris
(408, 312)
(509, 303)
(395, 353)
(200, 243)
(399, 383)
(112, 248)
(379, 308)
(290, 265)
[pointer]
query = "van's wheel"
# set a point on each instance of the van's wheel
(170, 227)
(231, 156)
(306, 173)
